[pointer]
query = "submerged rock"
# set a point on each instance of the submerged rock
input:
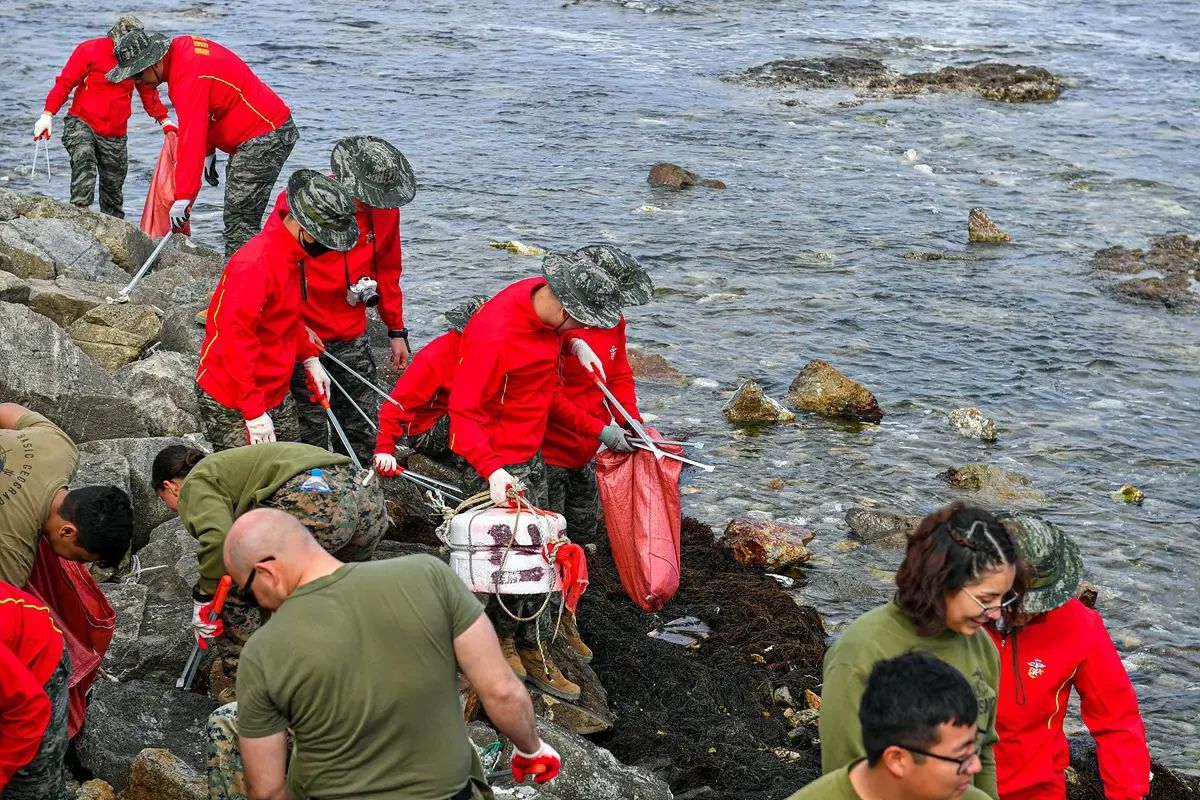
(517, 248)
(1173, 292)
(158, 774)
(771, 545)
(821, 388)
(819, 73)
(980, 228)
(674, 176)
(653, 368)
(1129, 494)
(970, 422)
(163, 386)
(1163, 273)
(996, 482)
(1006, 83)
(750, 406)
(881, 528)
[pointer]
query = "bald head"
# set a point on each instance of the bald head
(271, 542)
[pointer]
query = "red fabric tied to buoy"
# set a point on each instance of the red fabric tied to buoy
(82, 613)
(571, 565)
(640, 495)
(156, 214)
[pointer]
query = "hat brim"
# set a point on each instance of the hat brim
(334, 240)
(635, 281)
(399, 193)
(158, 48)
(1039, 601)
(590, 314)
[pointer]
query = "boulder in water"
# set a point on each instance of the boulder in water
(116, 334)
(750, 406)
(163, 386)
(980, 228)
(821, 388)
(881, 528)
(970, 422)
(1005, 83)
(1129, 494)
(41, 368)
(770, 545)
(158, 774)
(1162, 273)
(994, 482)
(653, 368)
(819, 73)
(673, 176)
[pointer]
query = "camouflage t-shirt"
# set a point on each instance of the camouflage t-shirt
(36, 460)
(360, 665)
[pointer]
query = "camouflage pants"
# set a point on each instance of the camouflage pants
(90, 154)
(434, 444)
(348, 522)
(249, 178)
(42, 778)
(314, 423)
(226, 775)
(532, 473)
(225, 428)
(574, 494)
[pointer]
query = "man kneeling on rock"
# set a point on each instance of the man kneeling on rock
(360, 662)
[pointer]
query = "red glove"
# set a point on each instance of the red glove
(543, 765)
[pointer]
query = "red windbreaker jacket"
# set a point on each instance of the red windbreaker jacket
(566, 446)
(422, 390)
(255, 331)
(221, 104)
(1039, 664)
(103, 105)
(30, 649)
(506, 386)
(375, 255)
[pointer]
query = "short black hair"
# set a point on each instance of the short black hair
(907, 698)
(103, 520)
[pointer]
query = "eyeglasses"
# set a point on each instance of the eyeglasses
(253, 572)
(964, 763)
(986, 611)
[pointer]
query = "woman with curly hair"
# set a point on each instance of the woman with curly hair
(961, 571)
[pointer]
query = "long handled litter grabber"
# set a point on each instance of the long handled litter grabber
(367, 383)
(36, 144)
(123, 295)
(641, 445)
(337, 426)
(366, 417)
(633, 423)
(673, 443)
(432, 484)
(185, 679)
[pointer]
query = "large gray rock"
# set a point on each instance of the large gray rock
(589, 771)
(148, 510)
(62, 301)
(40, 367)
(129, 246)
(50, 248)
(14, 204)
(116, 334)
(881, 528)
(13, 289)
(169, 568)
(163, 386)
(181, 332)
(179, 278)
(125, 718)
(158, 774)
(153, 637)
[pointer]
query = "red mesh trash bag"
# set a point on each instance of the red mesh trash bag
(156, 214)
(640, 495)
(82, 613)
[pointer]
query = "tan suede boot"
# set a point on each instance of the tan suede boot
(570, 634)
(544, 673)
(509, 648)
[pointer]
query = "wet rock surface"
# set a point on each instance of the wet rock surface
(750, 406)
(971, 422)
(981, 229)
(673, 176)
(770, 545)
(880, 527)
(654, 368)
(993, 482)
(822, 389)
(1164, 273)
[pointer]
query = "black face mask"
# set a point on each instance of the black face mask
(314, 249)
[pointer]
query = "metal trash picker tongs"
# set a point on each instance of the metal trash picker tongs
(38, 141)
(188, 676)
(123, 295)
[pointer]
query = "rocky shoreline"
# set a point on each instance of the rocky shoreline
(729, 715)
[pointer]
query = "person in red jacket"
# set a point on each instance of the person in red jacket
(506, 389)
(34, 671)
(255, 328)
(422, 392)
(341, 286)
(98, 119)
(222, 105)
(1054, 643)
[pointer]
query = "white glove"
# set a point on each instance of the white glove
(181, 211)
(587, 357)
(41, 128)
(167, 124)
(318, 378)
(499, 482)
(386, 465)
(613, 437)
(210, 170)
(200, 624)
(260, 429)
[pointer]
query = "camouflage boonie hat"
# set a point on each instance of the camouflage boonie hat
(636, 286)
(323, 208)
(374, 171)
(462, 313)
(125, 24)
(137, 51)
(587, 291)
(1054, 560)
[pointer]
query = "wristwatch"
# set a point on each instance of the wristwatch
(401, 333)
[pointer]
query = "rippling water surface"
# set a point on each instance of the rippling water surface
(537, 121)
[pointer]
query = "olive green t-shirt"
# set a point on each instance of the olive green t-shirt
(837, 786)
(360, 665)
(885, 632)
(225, 485)
(38, 460)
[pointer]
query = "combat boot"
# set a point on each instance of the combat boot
(570, 634)
(509, 648)
(543, 673)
